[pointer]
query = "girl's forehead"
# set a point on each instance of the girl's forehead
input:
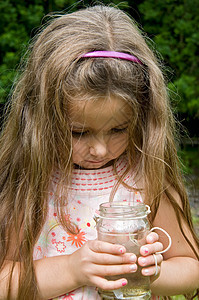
(104, 112)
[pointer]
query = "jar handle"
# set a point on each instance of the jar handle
(168, 247)
(148, 209)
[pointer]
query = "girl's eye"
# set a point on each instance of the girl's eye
(79, 133)
(119, 130)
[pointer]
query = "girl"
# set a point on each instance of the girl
(90, 122)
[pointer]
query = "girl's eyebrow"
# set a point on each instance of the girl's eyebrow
(79, 126)
(126, 123)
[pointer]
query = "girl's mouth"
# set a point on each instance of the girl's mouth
(95, 161)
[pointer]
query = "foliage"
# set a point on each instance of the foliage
(173, 25)
(188, 154)
(17, 20)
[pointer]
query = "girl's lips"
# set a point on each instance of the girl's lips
(95, 161)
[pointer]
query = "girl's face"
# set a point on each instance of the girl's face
(99, 131)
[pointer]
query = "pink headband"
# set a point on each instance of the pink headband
(112, 54)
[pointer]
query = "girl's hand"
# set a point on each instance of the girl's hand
(147, 259)
(96, 259)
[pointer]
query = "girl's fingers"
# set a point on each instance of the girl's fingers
(151, 248)
(110, 259)
(105, 284)
(110, 254)
(150, 271)
(111, 270)
(152, 268)
(104, 247)
(149, 260)
(152, 237)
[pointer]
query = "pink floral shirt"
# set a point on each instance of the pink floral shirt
(89, 189)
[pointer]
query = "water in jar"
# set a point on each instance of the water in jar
(138, 285)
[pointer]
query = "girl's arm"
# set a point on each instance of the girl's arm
(86, 266)
(179, 275)
(180, 268)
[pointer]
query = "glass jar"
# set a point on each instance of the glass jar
(125, 223)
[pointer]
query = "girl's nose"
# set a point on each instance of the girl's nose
(98, 147)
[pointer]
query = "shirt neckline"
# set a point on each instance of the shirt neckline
(98, 180)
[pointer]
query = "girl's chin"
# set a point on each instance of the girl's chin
(88, 165)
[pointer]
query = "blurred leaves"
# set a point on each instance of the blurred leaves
(174, 27)
(17, 21)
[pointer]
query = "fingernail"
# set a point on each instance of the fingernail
(121, 250)
(133, 268)
(146, 251)
(132, 258)
(124, 283)
(142, 260)
(146, 271)
(150, 239)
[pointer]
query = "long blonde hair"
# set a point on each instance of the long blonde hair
(36, 137)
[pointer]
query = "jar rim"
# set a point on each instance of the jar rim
(123, 209)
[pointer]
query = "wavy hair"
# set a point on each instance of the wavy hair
(36, 137)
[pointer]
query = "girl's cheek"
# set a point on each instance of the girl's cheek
(119, 144)
(80, 149)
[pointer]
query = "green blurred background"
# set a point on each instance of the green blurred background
(172, 30)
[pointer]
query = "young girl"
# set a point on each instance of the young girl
(90, 122)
